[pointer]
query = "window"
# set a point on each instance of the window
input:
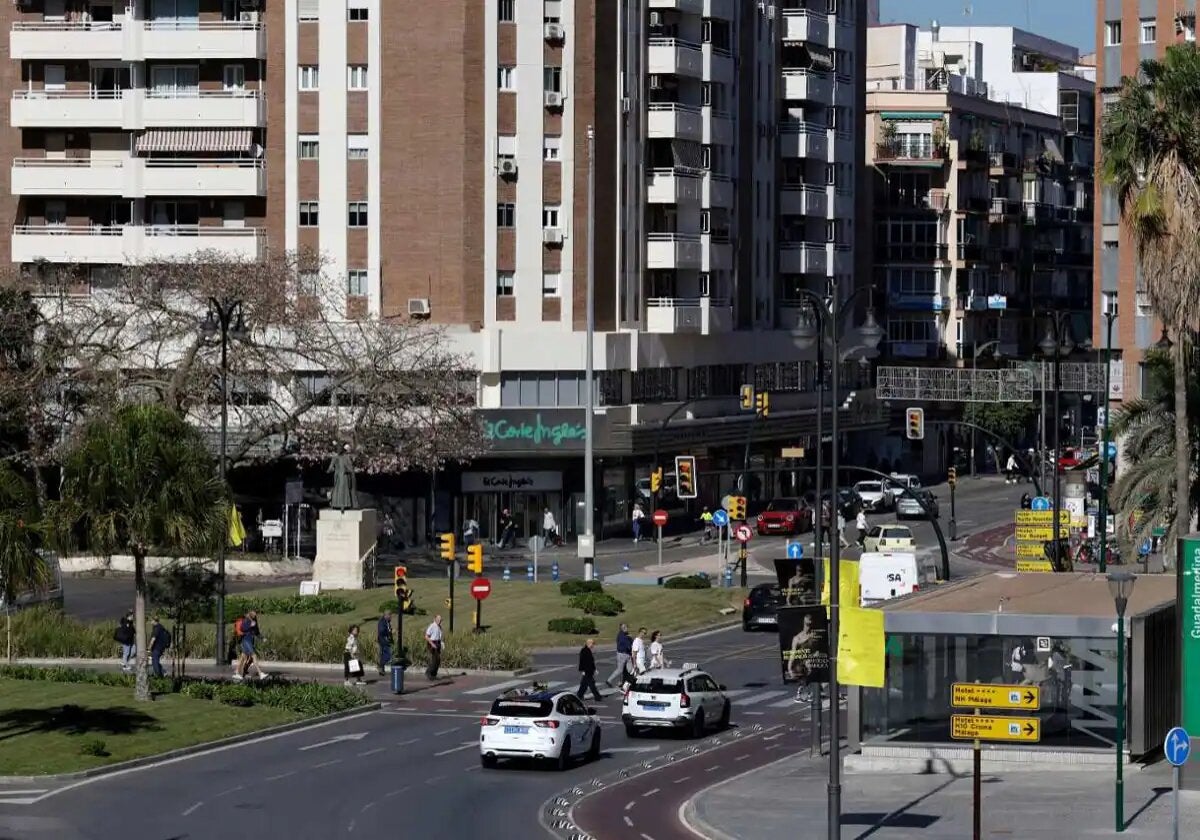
(506, 215)
(552, 79)
(706, 90)
(356, 215)
(506, 77)
(506, 11)
(234, 76)
(551, 283)
(356, 282)
(308, 10)
(1110, 303)
(504, 283)
(309, 282)
(552, 147)
(308, 147)
(309, 215)
(830, 174)
(356, 77)
(544, 388)
(358, 146)
(309, 76)
(1112, 33)
(356, 11)
(1149, 30)
(705, 221)
(550, 216)
(706, 156)
(1144, 310)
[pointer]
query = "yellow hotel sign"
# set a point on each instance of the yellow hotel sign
(1035, 533)
(1031, 549)
(990, 728)
(1034, 566)
(994, 696)
(1041, 517)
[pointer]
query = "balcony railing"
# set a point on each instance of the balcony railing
(912, 252)
(1002, 160)
(901, 152)
(130, 39)
(129, 244)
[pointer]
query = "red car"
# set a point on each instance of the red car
(1069, 459)
(785, 516)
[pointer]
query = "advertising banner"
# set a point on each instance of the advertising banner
(797, 580)
(804, 643)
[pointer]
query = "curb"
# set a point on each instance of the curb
(183, 752)
(331, 667)
(694, 823)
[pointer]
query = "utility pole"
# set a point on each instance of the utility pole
(587, 546)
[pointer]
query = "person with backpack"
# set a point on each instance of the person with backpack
(160, 640)
(126, 636)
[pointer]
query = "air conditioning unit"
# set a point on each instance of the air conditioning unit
(507, 165)
(554, 32)
(656, 18)
(418, 307)
(552, 236)
(553, 99)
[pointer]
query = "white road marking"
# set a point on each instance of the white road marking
(710, 769)
(738, 692)
(632, 749)
(497, 687)
(353, 736)
(650, 792)
(628, 822)
(465, 745)
(279, 776)
(370, 752)
(327, 763)
(630, 804)
(22, 792)
(434, 780)
(446, 731)
(192, 809)
(395, 792)
(231, 790)
(647, 837)
(773, 737)
(759, 698)
(409, 741)
(682, 779)
(741, 757)
(753, 713)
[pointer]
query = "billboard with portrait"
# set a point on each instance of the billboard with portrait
(804, 643)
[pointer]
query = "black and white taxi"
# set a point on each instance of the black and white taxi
(542, 725)
(682, 699)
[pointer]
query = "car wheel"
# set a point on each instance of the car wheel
(564, 757)
(631, 731)
(593, 752)
(487, 762)
(698, 724)
(724, 722)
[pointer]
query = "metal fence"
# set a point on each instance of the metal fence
(1019, 382)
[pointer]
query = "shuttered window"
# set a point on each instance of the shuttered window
(308, 10)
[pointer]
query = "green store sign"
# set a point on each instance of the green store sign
(535, 430)
(1189, 626)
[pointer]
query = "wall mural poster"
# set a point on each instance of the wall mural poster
(797, 581)
(804, 643)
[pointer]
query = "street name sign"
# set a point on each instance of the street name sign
(994, 696)
(992, 728)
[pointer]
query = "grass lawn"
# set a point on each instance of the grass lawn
(521, 609)
(38, 735)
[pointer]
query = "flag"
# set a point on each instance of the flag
(237, 531)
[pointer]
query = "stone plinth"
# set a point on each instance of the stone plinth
(343, 537)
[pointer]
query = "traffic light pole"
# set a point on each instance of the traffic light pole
(450, 600)
(953, 521)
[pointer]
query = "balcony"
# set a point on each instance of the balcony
(204, 109)
(803, 258)
(72, 109)
(137, 108)
(914, 349)
(720, 9)
(717, 253)
(1001, 209)
(670, 121)
(971, 158)
(718, 127)
(803, 140)
(1003, 163)
(691, 7)
(202, 39)
(718, 191)
(1036, 211)
(911, 252)
(673, 186)
(37, 40)
(57, 177)
(673, 250)
(807, 86)
(902, 154)
(718, 64)
(136, 40)
(803, 201)
(698, 316)
(974, 203)
(671, 56)
(917, 301)
(803, 25)
(133, 177)
(130, 244)
(201, 176)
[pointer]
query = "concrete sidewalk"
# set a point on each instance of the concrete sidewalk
(774, 801)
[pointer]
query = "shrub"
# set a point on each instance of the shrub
(198, 690)
(234, 695)
(580, 587)
(308, 699)
(288, 605)
(597, 603)
(689, 582)
(94, 746)
(574, 626)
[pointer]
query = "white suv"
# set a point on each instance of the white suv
(541, 725)
(675, 698)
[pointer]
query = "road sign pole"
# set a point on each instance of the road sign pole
(976, 791)
(1175, 803)
(953, 520)
(659, 529)
(479, 605)
(450, 600)
(742, 562)
(537, 542)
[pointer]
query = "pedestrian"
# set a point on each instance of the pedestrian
(860, 522)
(624, 650)
(383, 635)
(1010, 469)
(549, 527)
(249, 634)
(658, 658)
(234, 653)
(841, 530)
(352, 668)
(126, 636)
(433, 641)
(507, 529)
(825, 521)
(160, 640)
(638, 651)
(1017, 664)
(587, 671)
(706, 521)
(1026, 501)
(638, 515)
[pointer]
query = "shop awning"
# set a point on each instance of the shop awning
(232, 140)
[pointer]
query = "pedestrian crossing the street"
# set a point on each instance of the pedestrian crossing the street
(774, 698)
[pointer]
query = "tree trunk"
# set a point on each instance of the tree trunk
(8, 629)
(1183, 442)
(141, 690)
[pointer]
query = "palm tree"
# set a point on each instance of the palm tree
(141, 480)
(1151, 146)
(21, 566)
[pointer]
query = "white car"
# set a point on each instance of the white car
(876, 495)
(543, 725)
(682, 699)
(898, 481)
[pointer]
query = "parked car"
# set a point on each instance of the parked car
(542, 725)
(759, 610)
(898, 481)
(785, 516)
(681, 699)
(887, 538)
(907, 506)
(875, 495)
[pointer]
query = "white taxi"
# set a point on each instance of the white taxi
(686, 699)
(542, 725)
(887, 538)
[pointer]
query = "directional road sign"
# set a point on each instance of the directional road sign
(720, 517)
(743, 533)
(1177, 746)
(481, 587)
(995, 696)
(795, 551)
(1027, 565)
(991, 728)
(1041, 517)
(1030, 550)
(1041, 503)
(1144, 548)
(1035, 533)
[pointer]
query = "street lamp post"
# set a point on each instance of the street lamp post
(1120, 584)
(587, 545)
(220, 322)
(1102, 525)
(1056, 344)
(977, 348)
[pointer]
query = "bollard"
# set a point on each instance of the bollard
(507, 573)
(554, 570)
(529, 573)
(728, 576)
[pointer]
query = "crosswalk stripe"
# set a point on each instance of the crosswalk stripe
(759, 698)
(737, 692)
(22, 792)
(785, 704)
(497, 688)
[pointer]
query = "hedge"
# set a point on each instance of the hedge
(689, 582)
(288, 605)
(575, 626)
(597, 603)
(580, 587)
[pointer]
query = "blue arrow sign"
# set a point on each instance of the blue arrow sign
(795, 551)
(1177, 746)
(1112, 450)
(1144, 548)
(720, 518)
(1040, 503)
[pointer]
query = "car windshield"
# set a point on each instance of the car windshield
(868, 487)
(766, 595)
(648, 685)
(522, 708)
(896, 534)
(783, 504)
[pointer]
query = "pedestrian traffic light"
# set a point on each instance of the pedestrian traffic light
(952, 478)
(737, 507)
(762, 405)
(656, 480)
(475, 558)
(685, 476)
(747, 397)
(915, 423)
(447, 547)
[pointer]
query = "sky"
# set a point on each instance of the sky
(1070, 21)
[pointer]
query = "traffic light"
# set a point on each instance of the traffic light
(915, 423)
(762, 405)
(685, 476)
(403, 593)
(737, 507)
(656, 480)
(447, 547)
(475, 558)
(952, 478)
(747, 397)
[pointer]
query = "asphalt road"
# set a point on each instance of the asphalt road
(106, 597)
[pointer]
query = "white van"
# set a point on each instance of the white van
(882, 577)
(53, 594)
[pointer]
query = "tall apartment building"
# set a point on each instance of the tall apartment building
(1127, 33)
(983, 206)
(437, 156)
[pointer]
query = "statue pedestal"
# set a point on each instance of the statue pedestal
(343, 538)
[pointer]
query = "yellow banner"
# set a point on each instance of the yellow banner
(1032, 533)
(1030, 549)
(1034, 566)
(986, 728)
(848, 588)
(1041, 517)
(861, 647)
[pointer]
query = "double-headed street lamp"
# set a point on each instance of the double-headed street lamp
(220, 323)
(826, 326)
(1055, 344)
(976, 349)
(1120, 584)
(1110, 315)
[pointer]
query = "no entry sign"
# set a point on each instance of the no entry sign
(481, 588)
(659, 518)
